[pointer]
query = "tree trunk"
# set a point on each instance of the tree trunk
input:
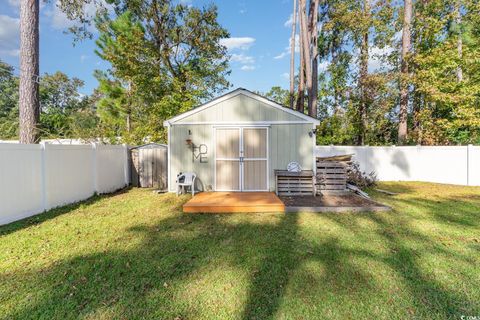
(336, 93)
(363, 79)
(417, 107)
(129, 108)
(314, 36)
(403, 112)
(292, 56)
(460, 53)
(305, 43)
(301, 76)
(458, 21)
(29, 105)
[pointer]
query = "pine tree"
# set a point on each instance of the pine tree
(314, 42)
(29, 105)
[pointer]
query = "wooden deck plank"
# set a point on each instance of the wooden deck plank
(230, 202)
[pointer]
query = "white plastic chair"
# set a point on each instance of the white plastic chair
(186, 179)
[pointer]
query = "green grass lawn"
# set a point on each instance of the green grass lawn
(135, 255)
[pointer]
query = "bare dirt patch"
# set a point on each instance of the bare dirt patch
(329, 202)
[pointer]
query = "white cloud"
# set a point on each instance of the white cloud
(243, 59)
(375, 61)
(247, 62)
(323, 65)
(14, 3)
(247, 68)
(9, 36)
(60, 21)
(286, 52)
(238, 45)
(289, 21)
(242, 43)
(243, 7)
(297, 43)
(286, 75)
(83, 57)
(397, 36)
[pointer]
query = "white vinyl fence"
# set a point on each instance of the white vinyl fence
(442, 164)
(35, 178)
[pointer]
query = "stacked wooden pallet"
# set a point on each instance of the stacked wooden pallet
(295, 183)
(331, 175)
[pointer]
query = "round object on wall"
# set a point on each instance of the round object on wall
(294, 167)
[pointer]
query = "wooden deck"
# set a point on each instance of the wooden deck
(230, 202)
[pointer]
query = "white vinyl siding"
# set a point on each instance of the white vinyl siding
(287, 142)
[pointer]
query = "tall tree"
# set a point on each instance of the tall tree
(314, 41)
(29, 69)
(60, 100)
(64, 112)
(450, 112)
(353, 34)
(59, 93)
(166, 58)
(292, 55)
(277, 94)
(301, 73)
(403, 108)
(458, 23)
(363, 72)
(8, 102)
(305, 43)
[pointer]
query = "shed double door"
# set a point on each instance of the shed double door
(241, 159)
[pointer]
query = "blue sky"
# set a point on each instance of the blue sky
(258, 46)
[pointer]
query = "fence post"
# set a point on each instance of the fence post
(469, 163)
(125, 164)
(94, 159)
(43, 176)
(418, 174)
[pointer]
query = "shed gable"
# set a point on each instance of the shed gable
(241, 108)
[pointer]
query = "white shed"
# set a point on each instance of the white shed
(236, 141)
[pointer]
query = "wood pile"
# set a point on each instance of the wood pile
(295, 183)
(332, 172)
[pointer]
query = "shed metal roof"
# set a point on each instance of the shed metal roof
(149, 145)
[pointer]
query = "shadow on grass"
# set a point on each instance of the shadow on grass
(406, 257)
(448, 210)
(123, 282)
(55, 212)
(154, 278)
